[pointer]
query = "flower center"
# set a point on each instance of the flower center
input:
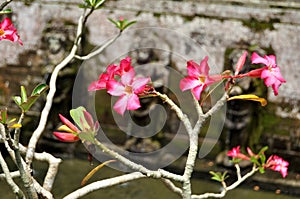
(2, 32)
(128, 89)
(202, 79)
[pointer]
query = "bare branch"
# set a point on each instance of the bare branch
(172, 186)
(104, 184)
(9, 179)
(52, 85)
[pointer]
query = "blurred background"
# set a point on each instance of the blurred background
(223, 30)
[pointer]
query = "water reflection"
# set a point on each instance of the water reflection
(73, 171)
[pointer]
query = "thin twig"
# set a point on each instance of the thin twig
(224, 191)
(100, 49)
(4, 4)
(172, 186)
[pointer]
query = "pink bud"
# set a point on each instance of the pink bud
(68, 123)
(240, 63)
(66, 137)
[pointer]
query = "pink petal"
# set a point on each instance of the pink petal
(127, 77)
(121, 104)
(66, 137)
(256, 59)
(193, 69)
(188, 83)
(271, 60)
(133, 102)
(5, 23)
(115, 88)
(97, 85)
(139, 84)
(204, 68)
(198, 90)
(268, 77)
(276, 72)
(68, 123)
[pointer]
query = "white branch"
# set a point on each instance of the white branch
(52, 85)
(99, 50)
(104, 184)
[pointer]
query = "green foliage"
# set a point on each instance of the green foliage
(122, 24)
(6, 11)
(24, 102)
(77, 115)
(92, 4)
(218, 176)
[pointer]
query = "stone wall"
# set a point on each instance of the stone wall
(222, 28)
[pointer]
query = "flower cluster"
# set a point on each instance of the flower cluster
(274, 162)
(121, 81)
(9, 32)
(198, 75)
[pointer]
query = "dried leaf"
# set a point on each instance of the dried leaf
(92, 172)
(250, 97)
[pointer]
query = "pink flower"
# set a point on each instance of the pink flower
(235, 153)
(277, 164)
(198, 78)
(9, 32)
(111, 72)
(125, 66)
(270, 73)
(103, 79)
(128, 89)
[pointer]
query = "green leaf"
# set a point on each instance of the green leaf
(3, 116)
(17, 100)
(261, 170)
(99, 3)
(254, 160)
(128, 24)
(114, 22)
(263, 149)
(23, 94)
(6, 11)
(76, 115)
(216, 176)
(11, 120)
(87, 136)
(39, 89)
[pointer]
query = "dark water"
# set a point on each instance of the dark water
(73, 171)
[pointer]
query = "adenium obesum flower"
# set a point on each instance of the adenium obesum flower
(198, 78)
(128, 89)
(111, 72)
(236, 153)
(270, 73)
(9, 32)
(277, 164)
(120, 81)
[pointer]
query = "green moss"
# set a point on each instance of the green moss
(259, 26)
(156, 14)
